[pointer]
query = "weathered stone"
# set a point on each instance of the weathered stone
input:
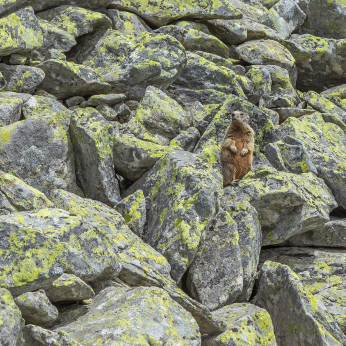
(10, 110)
(187, 140)
(11, 319)
(36, 308)
(133, 209)
(228, 31)
(21, 79)
(258, 31)
(131, 315)
(247, 325)
(20, 32)
(339, 91)
(297, 316)
(171, 10)
(286, 113)
(65, 79)
(110, 99)
(74, 101)
(69, 288)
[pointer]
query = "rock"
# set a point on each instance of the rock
(65, 79)
(324, 143)
(131, 314)
(110, 99)
(228, 31)
(92, 145)
(37, 336)
(127, 23)
(133, 209)
(297, 316)
(339, 91)
(20, 32)
(215, 277)
(182, 193)
(286, 113)
(159, 15)
(11, 319)
(69, 288)
(18, 196)
(187, 140)
(202, 74)
(268, 52)
(70, 312)
(323, 273)
(331, 234)
(193, 40)
(107, 112)
(247, 325)
(74, 101)
(158, 118)
(10, 110)
(284, 17)
(22, 79)
(123, 113)
(301, 203)
(250, 241)
(133, 157)
(258, 31)
(76, 21)
(36, 308)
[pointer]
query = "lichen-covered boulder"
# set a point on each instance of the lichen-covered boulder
(21, 79)
(65, 79)
(215, 276)
(258, 31)
(10, 110)
(247, 325)
(108, 99)
(15, 195)
(11, 319)
(37, 336)
(20, 32)
(158, 118)
(268, 52)
(133, 157)
(92, 145)
(193, 39)
(76, 21)
(228, 31)
(297, 316)
(284, 17)
(287, 204)
(187, 140)
(171, 10)
(133, 209)
(325, 145)
(36, 308)
(202, 74)
(131, 316)
(69, 288)
(127, 23)
(331, 234)
(323, 273)
(183, 195)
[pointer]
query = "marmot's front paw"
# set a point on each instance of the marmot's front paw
(244, 152)
(233, 149)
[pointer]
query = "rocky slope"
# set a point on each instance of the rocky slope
(114, 226)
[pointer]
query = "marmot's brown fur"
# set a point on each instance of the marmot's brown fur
(237, 149)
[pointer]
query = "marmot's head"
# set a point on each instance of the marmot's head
(240, 116)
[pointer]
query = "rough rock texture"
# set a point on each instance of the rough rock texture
(131, 316)
(10, 110)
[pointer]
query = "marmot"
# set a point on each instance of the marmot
(237, 149)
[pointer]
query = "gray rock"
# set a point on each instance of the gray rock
(258, 31)
(133, 313)
(331, 234)
(10, 110)
(92, 145)
(110, 99)
(339, 91)
(65, 79)
(11, 319)
(228, 31)
(286, 113)
(107, 112)
(171, 10)
(215, 276)
(123, 112)
(247, 325)
(297, 316)
(69, 288)
(301, 202)
(74, 101)
(37, 336)
(36, 308)
(21, 79)
(186, 140)
(324, 142)
(21, 32)
(183, 193)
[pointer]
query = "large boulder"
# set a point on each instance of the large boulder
(10, 110)
(161, 14)
(139, 316)
(297, 316)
